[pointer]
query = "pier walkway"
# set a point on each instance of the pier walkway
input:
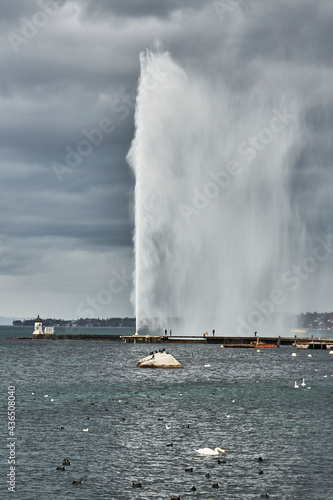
(240, 342)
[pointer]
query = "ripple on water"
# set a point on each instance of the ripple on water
(127, 442)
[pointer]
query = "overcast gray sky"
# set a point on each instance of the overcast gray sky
(69, 72)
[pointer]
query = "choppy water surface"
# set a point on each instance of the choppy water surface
(245, 402)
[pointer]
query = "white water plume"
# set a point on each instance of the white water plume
(214, 228)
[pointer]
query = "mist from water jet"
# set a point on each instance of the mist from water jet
(214, 227)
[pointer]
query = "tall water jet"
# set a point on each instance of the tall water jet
(214, 227)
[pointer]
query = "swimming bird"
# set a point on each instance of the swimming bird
(296, 386)
(168, 426)
(303, 384)
(85, 430)
(210, 452)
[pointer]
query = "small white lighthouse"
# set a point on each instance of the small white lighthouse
(38, 326)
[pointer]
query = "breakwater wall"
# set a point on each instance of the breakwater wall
(312, 343)
(73, 336)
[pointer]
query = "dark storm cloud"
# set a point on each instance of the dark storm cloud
(144, 8)
(297, 31)
(12, 11)
(82, 67)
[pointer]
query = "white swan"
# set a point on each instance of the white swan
(296, 386)
(210, 452)
(303, 384)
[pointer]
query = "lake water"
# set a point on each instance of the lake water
(244, 402)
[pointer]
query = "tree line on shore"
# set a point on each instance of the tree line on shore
(91, 322)
(308, 320)
(316, 321)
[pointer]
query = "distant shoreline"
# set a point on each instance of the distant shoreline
(82, 322)
(311, 321)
